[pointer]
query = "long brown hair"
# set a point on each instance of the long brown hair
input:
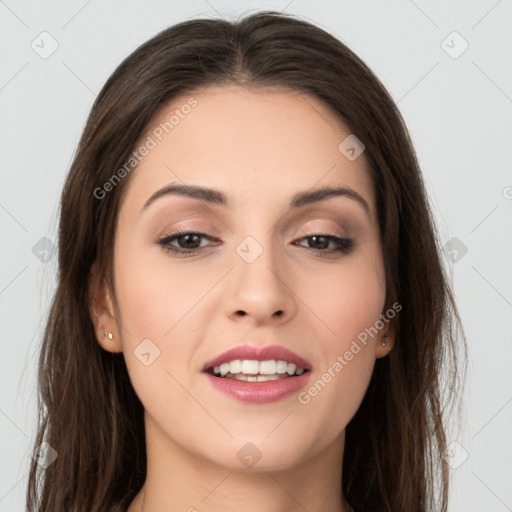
(88, 410)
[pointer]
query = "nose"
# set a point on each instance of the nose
(260, 290)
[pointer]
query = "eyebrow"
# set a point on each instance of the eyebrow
(216, 197)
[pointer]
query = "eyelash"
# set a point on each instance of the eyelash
(345, 245)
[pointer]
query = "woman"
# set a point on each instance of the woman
(251, 309)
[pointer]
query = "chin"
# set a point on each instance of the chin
(258, 454)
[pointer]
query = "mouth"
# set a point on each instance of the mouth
(252, 370)
(258, 374)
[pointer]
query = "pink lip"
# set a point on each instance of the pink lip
(259, 354)
(259, 392)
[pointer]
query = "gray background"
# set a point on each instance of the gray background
(458, 110)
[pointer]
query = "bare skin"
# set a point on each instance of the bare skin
(259, 148)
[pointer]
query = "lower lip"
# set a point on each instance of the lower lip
(259, 392)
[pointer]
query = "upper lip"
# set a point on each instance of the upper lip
(253, 353)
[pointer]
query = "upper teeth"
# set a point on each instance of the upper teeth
(254, 367)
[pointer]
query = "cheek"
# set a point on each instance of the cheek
(161, 313)
(349, 302)
(156, 308)
(154, 296)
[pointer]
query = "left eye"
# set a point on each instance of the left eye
(344, 245)
(191, 240)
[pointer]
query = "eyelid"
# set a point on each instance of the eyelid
(333, 228)
(324, 232)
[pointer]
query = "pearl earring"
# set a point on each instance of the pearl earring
(110, 336)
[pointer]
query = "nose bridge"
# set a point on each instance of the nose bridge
(258, 244)
(258, 260)
(259, 286)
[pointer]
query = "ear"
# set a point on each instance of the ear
(385, 341)
(102, 313)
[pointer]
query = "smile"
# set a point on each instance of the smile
(251, 370)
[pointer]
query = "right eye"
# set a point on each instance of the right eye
(185, 238)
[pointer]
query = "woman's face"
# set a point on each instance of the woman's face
(256, 278)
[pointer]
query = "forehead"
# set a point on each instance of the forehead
(248, 142)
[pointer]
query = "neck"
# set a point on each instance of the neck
(177, 480)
